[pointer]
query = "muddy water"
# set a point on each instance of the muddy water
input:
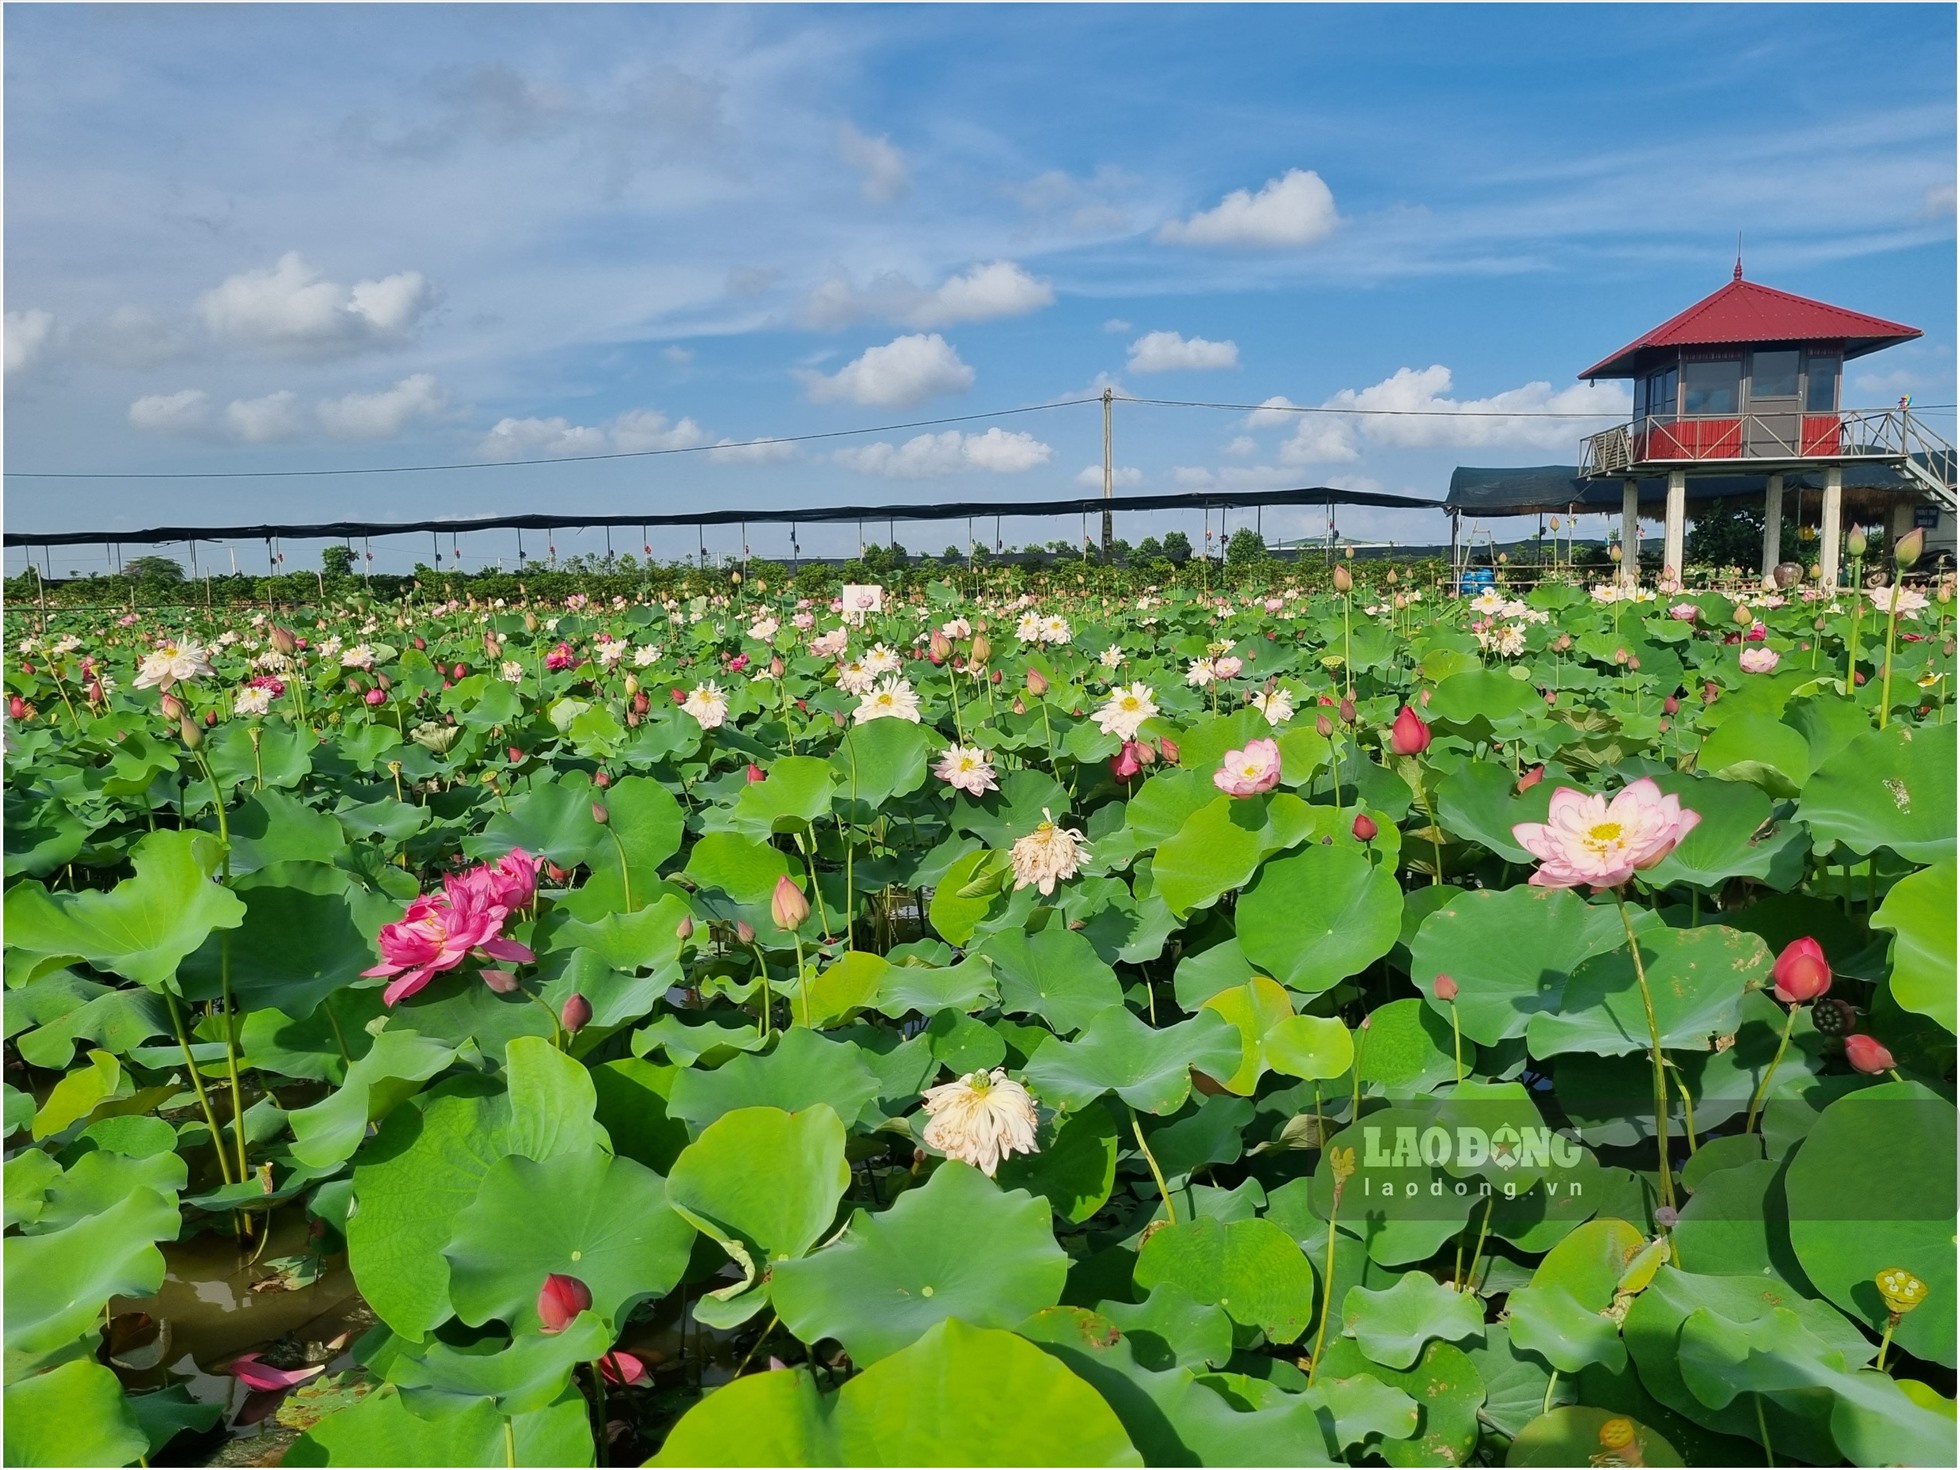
(211, 1314)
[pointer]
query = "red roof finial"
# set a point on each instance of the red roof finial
(1738, 255)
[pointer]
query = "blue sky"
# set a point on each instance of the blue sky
(261, 238)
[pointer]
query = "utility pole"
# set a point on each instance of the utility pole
(1109, 477)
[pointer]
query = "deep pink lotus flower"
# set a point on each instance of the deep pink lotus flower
(1587, 840)
(560, 658)
(1802, 973)
(624, 1369)
(512, 880)
(1250, 771)
(441, 930)
(1409, 735)
(1867, 1054)
(262, 1377)
(560, 1300)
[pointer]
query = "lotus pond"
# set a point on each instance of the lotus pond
(1291, 1026)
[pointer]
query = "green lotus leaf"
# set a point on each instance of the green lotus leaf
(803, 1069)
(71, 1415)
(145, 926)
(1697, 978)
(584, 1214)
(1918, 913)
(1148, 1067)
(1443, 1384)
(763, 1182)
(1251, 1268)
(1573, 1435)
(58, 1283)
(1075, 1169)
(1871, 1189)
(1888, 788)
(391, 1071)
(1055, 974)
(1391, 1326)
(959, 1247)
(1318, 916)
(938, 1402)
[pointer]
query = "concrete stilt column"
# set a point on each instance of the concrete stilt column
(1772, 524)
(1831, 536)
(1901, 520)
(1673, 558)
(1630, 532)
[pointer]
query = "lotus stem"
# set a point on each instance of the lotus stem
(1891, 636)
(1654, 1034)
(600, 1441)
(197, 1086)
(1163, 1189)
(1762, 1088)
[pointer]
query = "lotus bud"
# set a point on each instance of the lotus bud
(1409, 735)
(1391, 576)
(1125, 765)
(1671, 705)
(500, 981)
(1615, 554)
(188, 732)
(1365, 829)
(1348, 552)
(602, 779)
(1146, 752)
(1856, 543)
(600, 814)
(641, 704)
(1037, 685)
(996, 678)
(837, 717)
(982, 651)
(744, 932)
(756, 773)
(530, 622)
(1445, 989)
(210, 719)
(558, 874)
(420, 643)
(576, 1014)
(1909, 547)
(631, 684)
(777, 667)
(1710, 691)
(1343, 579)
(787, 905)
(684, 930)
(172, 707)
(516, 755)
(1530, 779)
(939, 647)
(560, 1301)
(1801, 973)
(1347, 712)
(1867, 1054)
(1168, 749)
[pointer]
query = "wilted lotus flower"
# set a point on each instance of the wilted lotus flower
(560, 1300)
(262, 1377)
(981, 1119)
(1046, 856)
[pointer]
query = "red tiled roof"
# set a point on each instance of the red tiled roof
(1744, 312)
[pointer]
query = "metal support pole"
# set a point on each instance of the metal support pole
(1109, 475)
(1832, 538)
(1772, 524)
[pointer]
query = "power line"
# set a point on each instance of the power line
(1426, 413)
(505, 464)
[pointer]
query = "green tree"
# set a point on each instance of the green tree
(153, 569)
(1148, 549)
(337, 561)
(1177, 548)
(1246, 548)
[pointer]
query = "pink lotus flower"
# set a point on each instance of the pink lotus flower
(1760, 660)
(560, 1300)
(1684, 612)
(1250, 771)
(560, 658)
(1867, 1054)
(1409, 735)
(262, 1377)
(1587, 840)
(1227, 667)
(1802, 973)
(441, 930)
(624, 1369)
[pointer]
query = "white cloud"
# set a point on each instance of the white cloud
(950, 453)
(1236, 477)
(1939, 202)
(293, 310)
(996, 289)
(1122, 475)
(904, 371)
(679, 356)
(264, 420)
(385, 414)
(1078, 206)
(1116, 324)
(185, 412)
(1244, 445)
(1319, 439)
(633, 432)
(1503, 418)
(885, 176)
(1271, 411)
(750, 451)
(28, 333)
(1167, 352)
(1294, 209)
